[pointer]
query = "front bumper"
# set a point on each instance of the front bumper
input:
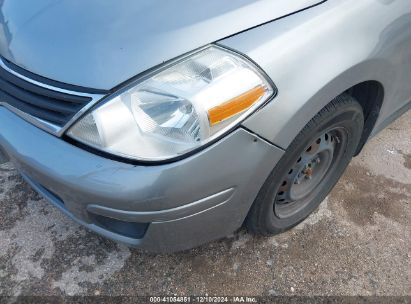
(178, 206)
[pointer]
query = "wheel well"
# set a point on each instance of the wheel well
(370, 95)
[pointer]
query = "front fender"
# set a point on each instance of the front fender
(315, 55)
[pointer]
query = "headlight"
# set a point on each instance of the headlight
(176, 109)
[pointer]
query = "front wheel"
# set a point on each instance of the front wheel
(309, 169)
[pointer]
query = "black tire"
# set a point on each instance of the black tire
(269, 214)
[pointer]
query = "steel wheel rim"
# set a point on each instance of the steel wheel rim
(309, 171)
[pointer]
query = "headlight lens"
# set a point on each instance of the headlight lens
(177, 109)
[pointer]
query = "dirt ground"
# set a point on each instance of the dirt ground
(357, 243)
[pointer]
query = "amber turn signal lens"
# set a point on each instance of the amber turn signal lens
(235, 105)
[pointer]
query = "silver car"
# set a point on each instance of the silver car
(167, 124)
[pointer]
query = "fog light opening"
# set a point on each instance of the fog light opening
(128, 229)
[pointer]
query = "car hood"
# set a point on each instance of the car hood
(100, 44)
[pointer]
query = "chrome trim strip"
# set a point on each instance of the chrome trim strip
(46, 126)
(5, 67)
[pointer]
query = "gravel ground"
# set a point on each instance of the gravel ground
(357, 243)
